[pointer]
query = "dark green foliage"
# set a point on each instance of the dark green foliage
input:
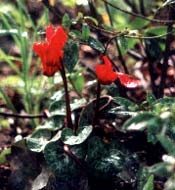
(66, 21)
(153, 49)
(95, 44)
(63, 166)
(71, 55)
(109, 161)
(85, 32)
(37, 141)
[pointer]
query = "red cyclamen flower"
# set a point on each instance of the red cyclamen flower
(105, 72)
(106, 75)
(51, 51)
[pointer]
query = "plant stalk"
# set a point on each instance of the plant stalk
(97, 103)
(67, 98)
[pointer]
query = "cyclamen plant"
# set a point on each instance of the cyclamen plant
(77, 151)
(51, 53)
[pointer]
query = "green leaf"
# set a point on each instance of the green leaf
(66, 21)
(57, 109)
(78, 81)
(95, 21)
(7, 100)
(163, 104)
(123, 42)
(77, 103)
(57, 106)
(156, 30)
(108, 161)
(165, 101)
(75, 34)
(153, 128)
(95, 44)
(69, 138)
(143, 175)
(103, 163)
(130, 44)
(138, 23)
(64, 167)
(153, 49)
(125, 103)
(71, 55)
(161, 169)
(54, 123)
(85, 32)
(167, 144)
(123, 114)
(3, 155)
(149, 184)
(58, 96)
(37, 141)
(140, 121)
(150, 98)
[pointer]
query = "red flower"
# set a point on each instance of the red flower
(106, 75)
(51, 51)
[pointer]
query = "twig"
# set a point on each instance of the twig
(24, 116)
(138, 37)
(149, 37)
(116, 41)
(138, 15)
(116, 34)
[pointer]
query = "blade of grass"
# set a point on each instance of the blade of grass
(7, 100)
(9, 60)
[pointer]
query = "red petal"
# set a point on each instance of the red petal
(59, 39)
(50, 70)
(54, 51)
(51, 51)
(107, 61)
(127, 80)
(40, 48)
(105, 74)
(49, 32)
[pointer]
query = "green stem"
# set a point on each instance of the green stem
(68, 109)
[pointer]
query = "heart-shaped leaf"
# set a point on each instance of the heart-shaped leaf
(69, 138)
(64, 166)
(37, 141)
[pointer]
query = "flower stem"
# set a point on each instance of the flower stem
(68, 109)
(97, 103)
